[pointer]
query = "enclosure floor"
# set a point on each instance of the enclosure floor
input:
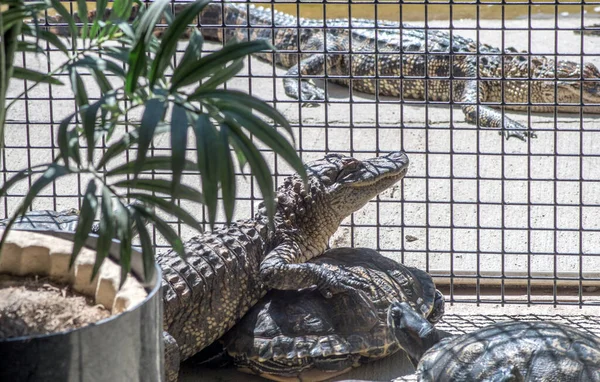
(459, 319)
(489, 214)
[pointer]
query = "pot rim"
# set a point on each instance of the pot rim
(151, 286)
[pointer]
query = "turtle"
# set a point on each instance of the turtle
(303, 335)
(512, 351)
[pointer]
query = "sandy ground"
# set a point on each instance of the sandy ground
(534, 211)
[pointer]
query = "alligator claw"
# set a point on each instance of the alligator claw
(511, 133)
(485, 116)
(522, 135)
(515, 129)
(339, 281)
(310, 92)
(307, 93)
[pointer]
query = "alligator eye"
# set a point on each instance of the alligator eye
(348, 170)
(328, 174)
(331, 172)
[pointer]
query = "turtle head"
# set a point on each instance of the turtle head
(413, 332)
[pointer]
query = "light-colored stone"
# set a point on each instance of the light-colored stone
(59, 265)
(130, 295)
(82, 274)
(10, 261)
(35, 260)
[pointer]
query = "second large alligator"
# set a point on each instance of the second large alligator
(393, 59)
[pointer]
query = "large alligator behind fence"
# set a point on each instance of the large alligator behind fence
(409, 62)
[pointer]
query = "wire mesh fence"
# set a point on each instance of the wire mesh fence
(495, 220)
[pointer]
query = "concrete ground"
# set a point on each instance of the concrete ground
(533, 212)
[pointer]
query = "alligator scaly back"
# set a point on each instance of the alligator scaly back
(392, 59)
(389, 58)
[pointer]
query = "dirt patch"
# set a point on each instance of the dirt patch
(30, 306)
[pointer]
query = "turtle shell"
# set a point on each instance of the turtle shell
(293, 333)
(515, 351)
(65, 220)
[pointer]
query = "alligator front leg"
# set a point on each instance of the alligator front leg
(475, 91)
(328, 57)
(485, 116)
(305, 90)
(280, 270)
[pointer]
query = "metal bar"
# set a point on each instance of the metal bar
(487, 213)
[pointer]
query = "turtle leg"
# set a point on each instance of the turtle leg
(172, 358)
(414, 333)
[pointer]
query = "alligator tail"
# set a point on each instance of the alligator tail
(212, 16)
(59, 26)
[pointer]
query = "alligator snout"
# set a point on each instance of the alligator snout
(398, 156)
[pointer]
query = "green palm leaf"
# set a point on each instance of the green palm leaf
(179, 130)
(169, 41)
(89, 207)
(154, 113)
(191, 71)
(106, 232)
(207, 149)
(137, 57)
(128, 65)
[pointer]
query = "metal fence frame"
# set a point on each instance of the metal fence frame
(575, 287)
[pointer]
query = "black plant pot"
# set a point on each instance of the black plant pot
(124, 347)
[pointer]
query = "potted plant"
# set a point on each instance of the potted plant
(189, 99)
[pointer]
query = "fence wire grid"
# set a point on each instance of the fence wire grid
(494, 220)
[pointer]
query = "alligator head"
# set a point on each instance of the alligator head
(575, 87)
(338, 185)
(348, 183)
(583, 85)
